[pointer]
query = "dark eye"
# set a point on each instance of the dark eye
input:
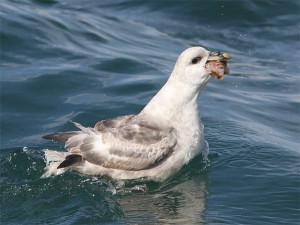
(196, 60)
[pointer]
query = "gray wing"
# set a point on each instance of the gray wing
(124, 143)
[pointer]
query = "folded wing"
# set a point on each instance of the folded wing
(125, 143)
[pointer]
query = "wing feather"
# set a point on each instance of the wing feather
(125, 143)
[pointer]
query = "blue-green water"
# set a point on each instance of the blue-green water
(90, 60)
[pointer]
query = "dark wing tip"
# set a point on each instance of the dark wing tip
(70, 160)
(60, 136)
(49, 136)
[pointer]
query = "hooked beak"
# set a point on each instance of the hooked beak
(217, 64)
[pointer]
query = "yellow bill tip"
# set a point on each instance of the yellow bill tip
(226, 55)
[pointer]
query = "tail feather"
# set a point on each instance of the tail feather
(59, 162)
(53, 160)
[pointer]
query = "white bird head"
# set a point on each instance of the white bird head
(196, 66)
(177, 99)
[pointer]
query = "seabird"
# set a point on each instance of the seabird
(153, 144)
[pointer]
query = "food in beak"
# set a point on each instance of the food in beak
(217, 64)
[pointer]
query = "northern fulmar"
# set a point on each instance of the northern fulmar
(154, 144)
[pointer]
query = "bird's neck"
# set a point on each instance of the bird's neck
(175, 103)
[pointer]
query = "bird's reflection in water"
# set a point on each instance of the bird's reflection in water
(183, 203)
